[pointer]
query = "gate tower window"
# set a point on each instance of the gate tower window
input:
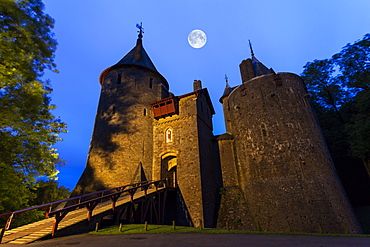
(169, 135)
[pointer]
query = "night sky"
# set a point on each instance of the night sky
(96, 34)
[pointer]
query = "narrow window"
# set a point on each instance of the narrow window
(113, 109)
(263, 130)
(119, 78)
(151, 83)
(144, 111)
(169, 135)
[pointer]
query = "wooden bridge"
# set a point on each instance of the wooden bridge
(137, 203)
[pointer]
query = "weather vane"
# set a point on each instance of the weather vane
(141, 30)
(250, 46)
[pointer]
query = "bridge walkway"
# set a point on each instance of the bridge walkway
(44, 228)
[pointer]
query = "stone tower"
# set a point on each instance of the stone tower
(183, 152)
(271, 171)
(143, 132)
(277, 171)
(121, 149)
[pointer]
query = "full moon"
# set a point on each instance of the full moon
(197, 38)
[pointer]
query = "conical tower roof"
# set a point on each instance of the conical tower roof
(227, 90)
(258, 67)
(252, 67)
(138, 56)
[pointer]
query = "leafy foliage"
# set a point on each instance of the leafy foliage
(49, 191)
(28, 129)
(324, 86)
(340, 91)
(359, 126)
(43, 191)
(27, 45)
(354, 64)
(12, 195)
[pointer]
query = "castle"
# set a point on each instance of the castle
(270, 171)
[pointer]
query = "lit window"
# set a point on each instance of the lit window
(169, 135)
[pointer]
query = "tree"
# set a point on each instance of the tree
(328, 95)
(354, 66)
(28, 129)
(325, 88)
(340, 91)
(13, 193)
(49, 191)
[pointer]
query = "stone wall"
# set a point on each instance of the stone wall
(271, 169)
(121, 149)
(192, 148)
(184, 148)
(210, 167)
(284, 171)
(233, 212)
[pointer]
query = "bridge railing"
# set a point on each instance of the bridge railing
(48, 207)
(113, 197)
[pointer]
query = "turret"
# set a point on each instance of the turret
(225, 104)
(121, 149)
(252, 67)
(276, 160)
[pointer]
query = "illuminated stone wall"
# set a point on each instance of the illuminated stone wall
(271, 171)
(283, 173)
(192, 147)
(121, 149)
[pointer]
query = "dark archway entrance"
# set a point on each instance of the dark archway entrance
(169, 168)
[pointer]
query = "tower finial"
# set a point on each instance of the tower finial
(227, 81)
(250, 46)
(141, 30)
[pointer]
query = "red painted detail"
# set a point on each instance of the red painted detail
(103, 74)
(165, 107)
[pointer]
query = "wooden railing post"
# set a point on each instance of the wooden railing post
(8, 221)
(90, 207)
(2, 234)
(55, 227)
(80, 201)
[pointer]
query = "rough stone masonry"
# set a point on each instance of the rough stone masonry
(271, 170)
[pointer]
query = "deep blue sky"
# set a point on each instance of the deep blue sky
(95, 34)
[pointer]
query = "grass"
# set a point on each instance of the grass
(140, 228)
